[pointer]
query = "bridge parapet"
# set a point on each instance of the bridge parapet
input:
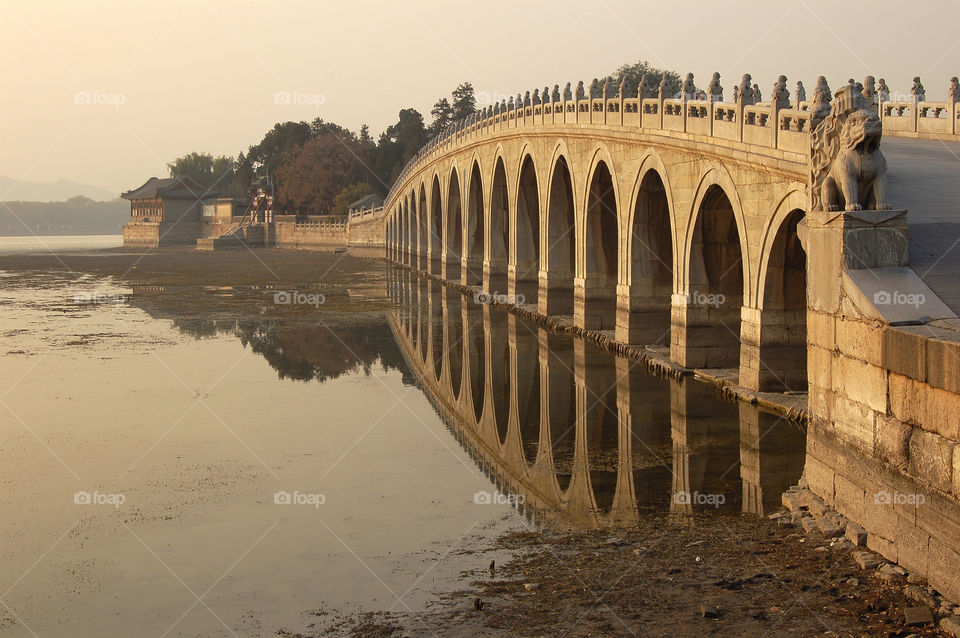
(763, 125)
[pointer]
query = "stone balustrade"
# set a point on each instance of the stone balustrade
(762, 124)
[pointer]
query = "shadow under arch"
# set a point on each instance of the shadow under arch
(715, 285)
(597, 289)
(495, 264)
(556, 281)
(454, 240)
(475, 234)
(525, 259)
(436, 226)
(645, 318)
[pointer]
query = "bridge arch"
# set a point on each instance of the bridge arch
(525, 228)
(453, 223)
(425, 230)
(773, 351)
(474, 233)
(715, 278)
(436, 225)
(558, 234)
(598, 244)
(498, 228)
(649, 266)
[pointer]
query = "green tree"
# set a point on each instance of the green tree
(464, 101)
(441, 113)
(634, 72)
(310, 176)
(350, 194)
(282, 138)
(203, 168)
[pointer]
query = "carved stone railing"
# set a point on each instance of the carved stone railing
(366, 213)
(765, 127)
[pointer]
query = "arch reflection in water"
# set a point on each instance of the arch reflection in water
(585, 437)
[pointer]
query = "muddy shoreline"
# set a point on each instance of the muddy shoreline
(707, 574)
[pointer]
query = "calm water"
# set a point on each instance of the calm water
(404, 442)
(58, 243)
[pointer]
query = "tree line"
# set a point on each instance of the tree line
(321, 167)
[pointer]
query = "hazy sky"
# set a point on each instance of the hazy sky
(166, 78)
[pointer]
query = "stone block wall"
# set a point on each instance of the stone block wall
(883, 444)
(368, 232)
(289, 235)
(150, 234)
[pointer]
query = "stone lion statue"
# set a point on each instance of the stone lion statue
(848, 171)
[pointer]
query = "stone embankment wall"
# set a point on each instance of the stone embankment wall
(306, 237)
(150, 234)
(884, 395)
(369, 230)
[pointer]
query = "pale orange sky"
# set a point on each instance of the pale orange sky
(168, 78)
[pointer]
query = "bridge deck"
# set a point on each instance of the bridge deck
(925, 179)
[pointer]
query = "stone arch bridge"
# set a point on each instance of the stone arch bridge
(665, 221)
(687, 222)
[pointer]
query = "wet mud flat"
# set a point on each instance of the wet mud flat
(715, 575)
(185, 266)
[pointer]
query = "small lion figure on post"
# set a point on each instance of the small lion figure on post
(847, 169)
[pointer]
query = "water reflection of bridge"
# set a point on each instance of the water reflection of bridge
(583, 435)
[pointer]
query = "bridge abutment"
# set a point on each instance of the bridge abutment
(704, 335)
(556, 293)
(594, 303)
(773, 355)
(643, 317)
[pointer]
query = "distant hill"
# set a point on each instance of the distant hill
(12, 190)
(76, 216)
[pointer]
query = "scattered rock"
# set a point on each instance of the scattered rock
(916, 579)
(710, 612)
(856, 534)
(789, 500)
(829, 527)
(531, 586)
(890, 572)
(920, 595)
(478, 604)
(867, 560)
(853, 582)
(915, 616)
(809, 524)
(951, 626)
